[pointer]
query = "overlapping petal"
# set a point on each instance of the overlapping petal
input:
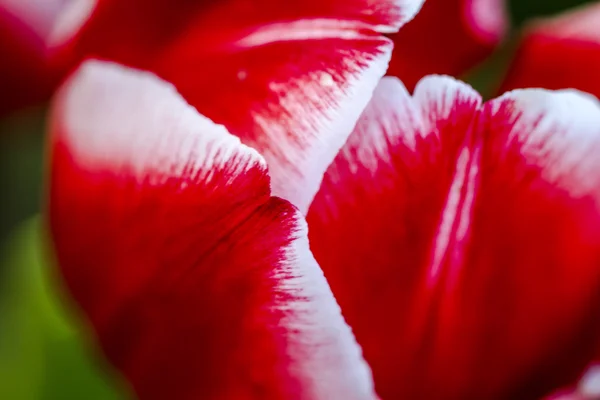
(462, 240)
(289, 79)
(560, 52)
(197, 282)
(25, 75)
(448, 37)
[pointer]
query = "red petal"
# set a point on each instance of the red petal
(448, 37)
(25, 75)
(463, 241)
(561, 52)
(197, 282)
(289, 80)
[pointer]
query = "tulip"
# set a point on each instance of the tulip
(461, 240)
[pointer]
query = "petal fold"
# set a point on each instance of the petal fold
(197, 283)
(462, 240)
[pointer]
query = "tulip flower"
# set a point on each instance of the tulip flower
(461, 240)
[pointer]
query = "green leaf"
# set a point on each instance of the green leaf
(43, 352)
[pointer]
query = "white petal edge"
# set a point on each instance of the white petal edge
(410, 8)
(130, 94)
(336, 125)
(559, 130)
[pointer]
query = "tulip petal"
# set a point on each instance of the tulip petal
(559, 53)
(296, 102)
(448, 37)
(197, 283)
(289, 79)
(462, 241)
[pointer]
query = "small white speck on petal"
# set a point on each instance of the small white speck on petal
(242, 74)
(327, 80)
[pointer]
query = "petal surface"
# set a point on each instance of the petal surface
(559, 53)
(462, 240)
(448, 37)
(289, 79)
(197, 283)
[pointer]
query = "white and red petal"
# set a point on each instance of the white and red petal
(197, 283)
(295, 101)
(559, 53)
(289, 79)
(462, 240)
(448, 37)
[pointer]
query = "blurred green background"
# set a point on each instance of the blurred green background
(42, 355)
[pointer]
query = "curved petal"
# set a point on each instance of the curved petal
(289, 79)
(462, 241)
(559, 53)
(448, 37)
(197, 282)
(25, 74)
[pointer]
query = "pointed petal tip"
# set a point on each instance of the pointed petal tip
(442, 80)
(410, 9)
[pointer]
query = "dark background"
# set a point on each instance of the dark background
(41, 355)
